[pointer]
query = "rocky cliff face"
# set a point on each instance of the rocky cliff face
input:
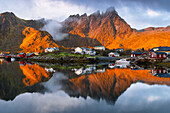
(14, 30)
(104, 27)
(113, 32)
(107, 29)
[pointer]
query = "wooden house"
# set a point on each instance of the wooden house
(136, 54)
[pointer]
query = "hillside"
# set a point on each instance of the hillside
(107, 29)
(36, 41)
(113, 32)
(15, 35)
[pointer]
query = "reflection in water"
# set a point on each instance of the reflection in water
(161, 72)
(68, 91)
(110, 84)
(34, 74)
(16, 79)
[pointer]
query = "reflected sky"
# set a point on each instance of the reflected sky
(140, 98)
(64, 92)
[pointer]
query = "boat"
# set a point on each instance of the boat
(122, 61)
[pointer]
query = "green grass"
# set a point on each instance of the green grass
(65, 54)
(65, 67)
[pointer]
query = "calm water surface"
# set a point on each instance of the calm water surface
(31, 88)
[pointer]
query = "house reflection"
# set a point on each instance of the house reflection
(110, 84)
(161, 72)
(113, 65)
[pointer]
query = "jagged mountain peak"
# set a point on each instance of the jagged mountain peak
(111, 10)
(8, 14)
(97, 13)
(103, 27)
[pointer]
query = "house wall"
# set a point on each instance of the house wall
(78, 50)
(134, 55)
(153, 55)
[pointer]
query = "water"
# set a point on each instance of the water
(32, 88)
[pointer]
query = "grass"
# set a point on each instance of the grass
(65, 67)
(65, 54)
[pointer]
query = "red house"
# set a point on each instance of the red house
(29, 55)
(136, 54)
(21, 55)
(158, 55)
(22, 63)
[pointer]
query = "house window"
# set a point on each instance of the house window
(152, 55)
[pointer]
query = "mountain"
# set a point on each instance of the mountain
(113, 32)
(108, 29)
(77, 41)
(23, 35)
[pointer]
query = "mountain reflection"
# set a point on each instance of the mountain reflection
(33, 74)
(110, 84)
(16, 79)
(106, 82)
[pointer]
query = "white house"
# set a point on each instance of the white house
(50, 49)
(113, 54)
(83, 50)
(100, 48)
(78, 50)
(92, 53)
(49, 69)
(100, 70)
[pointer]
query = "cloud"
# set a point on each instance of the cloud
(49, 9)
(54, 28)
(138, 13)
(153, 13)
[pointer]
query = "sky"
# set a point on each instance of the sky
(138, 14)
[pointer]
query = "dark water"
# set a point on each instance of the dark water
(31, 88)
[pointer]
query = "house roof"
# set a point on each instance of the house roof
(119, 49)
(138, 53)
(114, 53)
(165, 75)
(99, 46)
(160, 49)
(160, 53)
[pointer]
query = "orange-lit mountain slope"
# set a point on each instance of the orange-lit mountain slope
(146, 40)
(103, 27)
(113, 32)
(17, 34)
(110, 84)
(36, 41)
(34, 74)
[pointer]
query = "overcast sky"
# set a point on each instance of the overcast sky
(138, 13)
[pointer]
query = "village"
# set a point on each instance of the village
(156, 54)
